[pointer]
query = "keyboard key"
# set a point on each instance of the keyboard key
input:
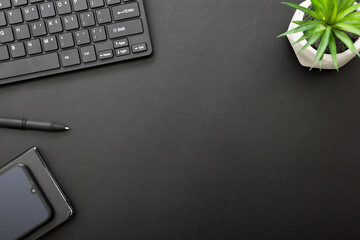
(22, 32)
(6, 35)
(96, 3)
(41, 35)
(4, 53)
(139, 48)
(79, 5)
(2, 19)
(112, 2)
(17, 50)
(14, 16)
(63, 7)
(98, 34)
(5, 4)
(88, 54)
(121, 43)
(87, 19)
(106, 54)
(122, 51)
(70, 57)
(71, 22)
(125, 28)
(29, 65)
(55, 25)
(38, 29)
(47, 9)
(33, 46)
(30, 13)
(19, 2)
(103, 16)
(49, 43)
(82, 37)
(66, 40)
(126, 11)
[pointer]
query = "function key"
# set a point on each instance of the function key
(141, 47)
(5, 4)
(106, 54)
(126, 11)
(121, 43)
(122, 51)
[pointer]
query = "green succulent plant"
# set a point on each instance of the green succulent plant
(331, 19)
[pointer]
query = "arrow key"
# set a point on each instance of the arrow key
(141, 47)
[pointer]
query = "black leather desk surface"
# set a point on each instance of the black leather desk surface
(221, 134)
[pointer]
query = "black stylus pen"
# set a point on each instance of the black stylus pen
(32, 125)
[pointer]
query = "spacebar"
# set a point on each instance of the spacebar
(29, 65)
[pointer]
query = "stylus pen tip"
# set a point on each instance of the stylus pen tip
(67, 128)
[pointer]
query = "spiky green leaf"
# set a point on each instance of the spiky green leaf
(346, 40)
(348, 28)
(323, 45)
(347, 11)
(312, 40)
(333, 50)
(350, 20)
(334, 11)
(303, 9)
(302, 28)
(343, 4)
(310, 33)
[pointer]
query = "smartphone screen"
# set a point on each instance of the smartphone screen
(22, 206)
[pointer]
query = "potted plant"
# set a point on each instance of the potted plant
(325, 33)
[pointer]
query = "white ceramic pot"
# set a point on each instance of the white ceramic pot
(306, 57)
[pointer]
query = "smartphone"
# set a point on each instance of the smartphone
(23, 208)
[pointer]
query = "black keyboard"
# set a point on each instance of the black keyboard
(43, 37)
